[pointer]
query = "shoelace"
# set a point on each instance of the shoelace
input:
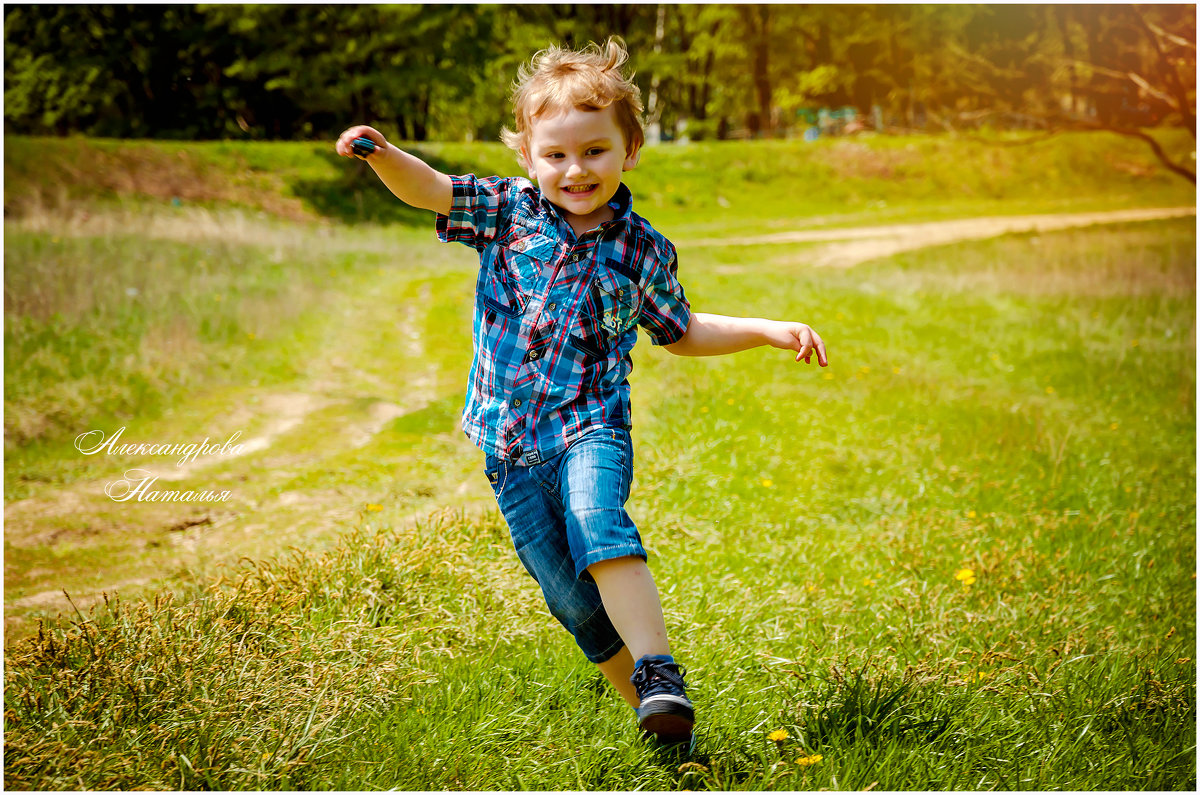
(652, 678)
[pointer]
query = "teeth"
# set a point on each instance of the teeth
(578, 188)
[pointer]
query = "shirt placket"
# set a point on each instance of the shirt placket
(557, 301)
(523, 403)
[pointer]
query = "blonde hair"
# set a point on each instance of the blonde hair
(558, 79)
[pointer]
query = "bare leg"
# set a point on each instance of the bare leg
(617, 669)
(631, 601)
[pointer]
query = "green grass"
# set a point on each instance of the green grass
(687, 190)
(1022, 407)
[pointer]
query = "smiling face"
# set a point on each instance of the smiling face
(577, 158)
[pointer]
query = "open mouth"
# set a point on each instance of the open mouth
(578, 188)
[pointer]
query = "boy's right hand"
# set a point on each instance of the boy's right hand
(345, 140)
(412, 180)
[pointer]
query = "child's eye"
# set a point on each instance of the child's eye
(596, 150)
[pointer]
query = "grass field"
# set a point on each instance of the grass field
(1021, 408)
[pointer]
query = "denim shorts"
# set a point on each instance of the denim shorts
(566, 513)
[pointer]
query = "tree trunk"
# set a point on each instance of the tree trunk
(758, 22)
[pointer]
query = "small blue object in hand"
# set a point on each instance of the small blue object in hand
(363, 146)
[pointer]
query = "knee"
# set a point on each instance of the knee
(573, 610)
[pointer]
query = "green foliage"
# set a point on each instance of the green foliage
(443, 72)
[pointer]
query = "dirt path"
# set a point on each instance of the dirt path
(80, 515)
(280, 494)
(851, 246)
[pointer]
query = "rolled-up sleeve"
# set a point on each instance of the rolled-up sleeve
(476, 209)
(665, 309)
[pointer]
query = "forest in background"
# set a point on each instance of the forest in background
(444, 72)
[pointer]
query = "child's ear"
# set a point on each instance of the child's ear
(523, 157)
(631, 159)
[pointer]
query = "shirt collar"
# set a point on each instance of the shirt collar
(621, 204)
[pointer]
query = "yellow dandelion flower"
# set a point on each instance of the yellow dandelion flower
(704, 409)
(251, 336)
(895, 371)
(1049, 390)
(768, 483)
(1114, 426)
(864, 369)
(806, 761)
(778, 736)
(373, 507)
(965, 576)
(868, 581)
(970, 514)
(731, 401)
(811, 588)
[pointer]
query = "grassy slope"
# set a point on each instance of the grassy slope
(805, 526)
(696, 188)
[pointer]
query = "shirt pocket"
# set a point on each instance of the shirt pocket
(499, 291)
(617, 300)
(524, 255)
(513, 266)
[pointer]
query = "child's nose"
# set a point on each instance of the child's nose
(575, 169)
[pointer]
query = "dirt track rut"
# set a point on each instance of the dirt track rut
(851, 246)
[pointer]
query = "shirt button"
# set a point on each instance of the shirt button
(517, 403)
(533, 355)
(551, 307)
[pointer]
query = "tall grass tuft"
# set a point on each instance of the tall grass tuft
(249, 682)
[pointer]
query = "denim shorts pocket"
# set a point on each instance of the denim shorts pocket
(626, 438)
(496, 472)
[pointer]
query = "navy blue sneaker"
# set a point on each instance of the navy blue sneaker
(666, 712)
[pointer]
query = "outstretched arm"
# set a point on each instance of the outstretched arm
(411, 179)
(716, 335)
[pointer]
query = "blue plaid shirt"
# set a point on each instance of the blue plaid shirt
(555, 316)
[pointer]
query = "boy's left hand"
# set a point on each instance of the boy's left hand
(801, 338)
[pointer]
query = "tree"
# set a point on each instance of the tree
(1120, 69)
(445, 72)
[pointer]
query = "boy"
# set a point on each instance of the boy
(567, 272)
